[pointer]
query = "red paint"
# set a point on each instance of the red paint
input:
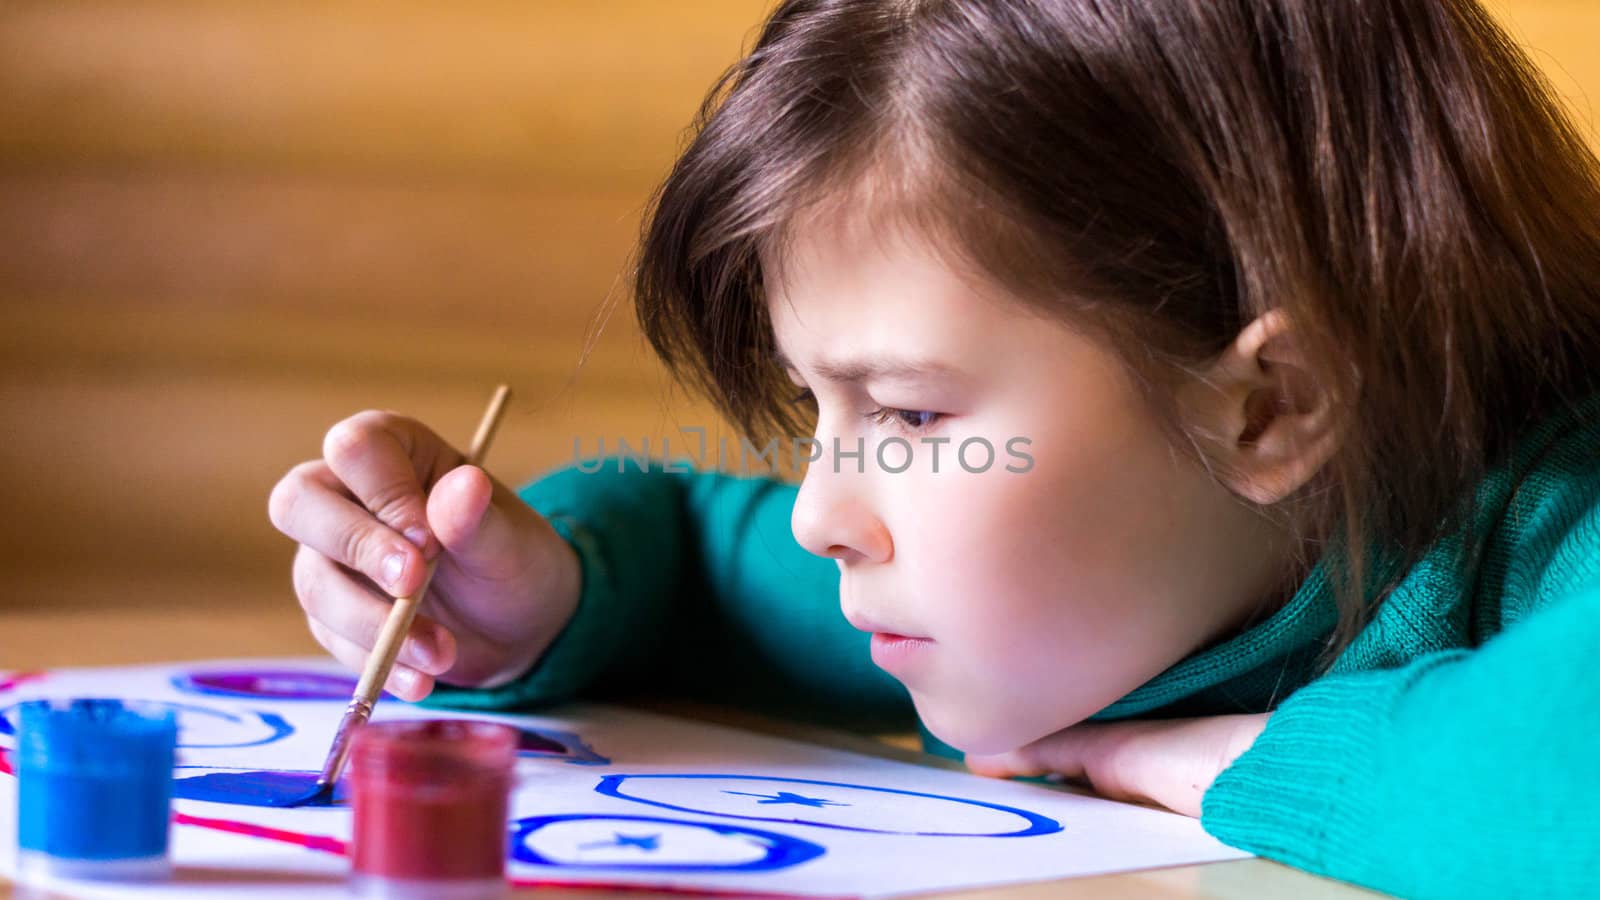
(15, 679)
(309, 841)
(430, 798)
(340, 848)
(670, 889)
(7, 682)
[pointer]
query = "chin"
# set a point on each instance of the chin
(973, 733)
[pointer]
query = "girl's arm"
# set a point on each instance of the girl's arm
(693, 584)
(1463, 773)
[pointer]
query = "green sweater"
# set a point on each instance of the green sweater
(1452, 750)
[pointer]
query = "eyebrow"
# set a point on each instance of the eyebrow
(852, 371)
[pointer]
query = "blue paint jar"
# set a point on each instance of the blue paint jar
(94, 789)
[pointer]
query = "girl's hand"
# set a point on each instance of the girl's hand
(1170, 762)
(387, 496)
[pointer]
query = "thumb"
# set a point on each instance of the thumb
(480, 523)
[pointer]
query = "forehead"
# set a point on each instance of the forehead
(838, 275)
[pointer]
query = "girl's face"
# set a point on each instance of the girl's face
(1010, 603)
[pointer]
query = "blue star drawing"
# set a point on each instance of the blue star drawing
(649, 843)
(787, 797)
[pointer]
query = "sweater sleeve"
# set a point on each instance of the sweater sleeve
(1465, 773)
(693, 585)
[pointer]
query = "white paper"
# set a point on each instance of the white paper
(630, 798)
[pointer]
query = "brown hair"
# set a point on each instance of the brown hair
(1394, 174)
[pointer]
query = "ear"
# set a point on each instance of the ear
(1258, 414)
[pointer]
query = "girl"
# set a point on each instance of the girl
(1287, 307)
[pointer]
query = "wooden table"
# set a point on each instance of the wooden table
(231, 626)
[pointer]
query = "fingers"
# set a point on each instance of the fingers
(311, 506)
(1169, 762)
(364, 505)
(483, 525)
(1053, 758)
(1076, 755)
(391, 495)
(383, 459)
(403, 681)
(337, 601)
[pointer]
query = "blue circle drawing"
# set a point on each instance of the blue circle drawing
(778, 851)
(269, 726)
(1030, 823)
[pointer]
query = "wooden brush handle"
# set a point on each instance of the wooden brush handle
(393, 634)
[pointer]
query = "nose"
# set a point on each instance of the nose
(833, 518)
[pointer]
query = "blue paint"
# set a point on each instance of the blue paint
(259, 788)
(649, 843)
(258, 728)
(94, 779)
(779, 851)
(787, 797)
(1032, 823)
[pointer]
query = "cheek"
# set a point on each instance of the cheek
(977, 537)
(984, 561)
(1103, 525)
(1026, 580)
(1073, 537)
(1062, 577)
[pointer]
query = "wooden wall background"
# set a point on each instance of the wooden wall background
(224, 225)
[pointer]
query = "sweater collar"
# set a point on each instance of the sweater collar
(1308, 616)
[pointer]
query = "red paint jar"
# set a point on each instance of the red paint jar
(430, 800)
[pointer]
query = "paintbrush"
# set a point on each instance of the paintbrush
(393, 634)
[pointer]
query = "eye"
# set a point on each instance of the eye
(907, 419)
(805, 396)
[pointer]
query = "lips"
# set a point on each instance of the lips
(874, 626)
(889, 639)
(894, 649)
(902, 657)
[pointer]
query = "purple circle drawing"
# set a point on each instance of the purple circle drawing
(272, 684)
(301, 684)
(827, 804)
(585, 841)
(563, 745)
